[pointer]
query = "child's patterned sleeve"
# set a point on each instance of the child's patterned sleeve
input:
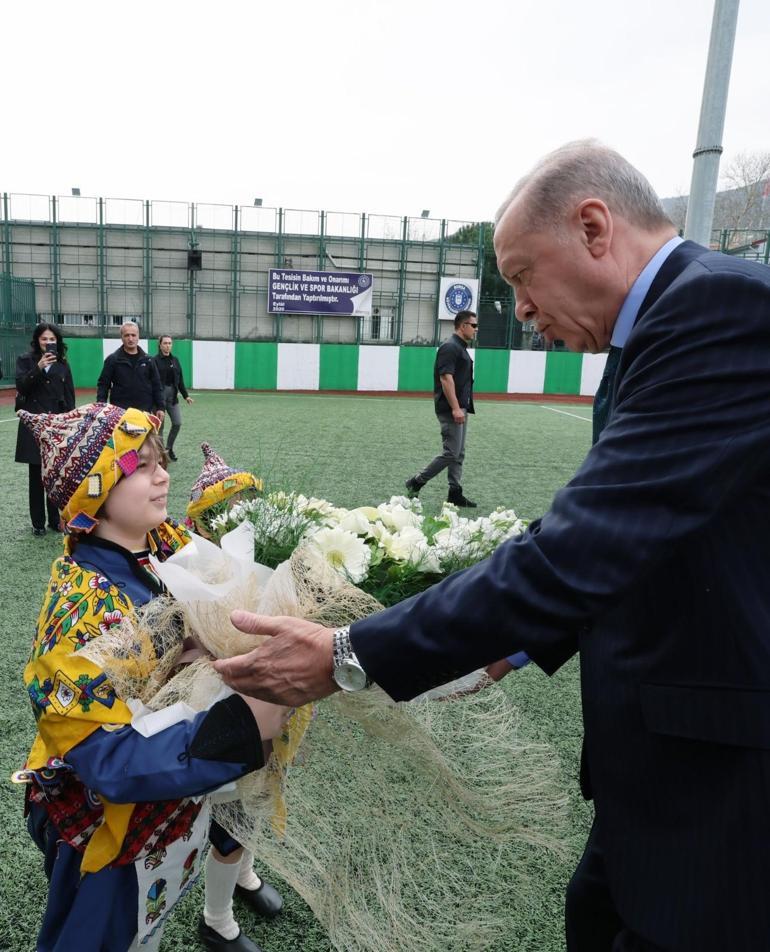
(187, 759)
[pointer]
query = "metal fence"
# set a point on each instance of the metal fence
(96, 262)
(17, 319)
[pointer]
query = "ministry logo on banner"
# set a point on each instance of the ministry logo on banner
(455, 295)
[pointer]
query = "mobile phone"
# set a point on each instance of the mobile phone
(50, 348)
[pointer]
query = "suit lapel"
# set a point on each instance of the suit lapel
(670, 270)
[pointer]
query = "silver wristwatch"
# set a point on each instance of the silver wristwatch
(347, 671)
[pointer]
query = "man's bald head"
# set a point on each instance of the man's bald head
(580, 170)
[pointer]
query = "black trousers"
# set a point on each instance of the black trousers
(39, 503)
(592, 921)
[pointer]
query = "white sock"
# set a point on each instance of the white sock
(218, 907)
(247, 878)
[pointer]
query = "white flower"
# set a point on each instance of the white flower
(320, 506)
(404, 545)
(398, 517)
(355, 521)
(426, 559)
(410, 546)
(344, 551)
(369, 511)
(380, 534)
(406, 502)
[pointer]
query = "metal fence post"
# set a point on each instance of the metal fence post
(54, 258)
(100, 264)
(235, 267)
(402, 280)
(147, 268)
(277, 318)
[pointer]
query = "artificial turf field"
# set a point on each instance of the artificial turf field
(352, 450)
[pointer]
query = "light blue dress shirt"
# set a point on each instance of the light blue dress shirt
(630, 309)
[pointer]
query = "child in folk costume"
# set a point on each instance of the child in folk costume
(118, 813)
(218, 484)
(229, 866)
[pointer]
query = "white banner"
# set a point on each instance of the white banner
(457, 294)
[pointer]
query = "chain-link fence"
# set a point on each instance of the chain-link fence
(17, 319)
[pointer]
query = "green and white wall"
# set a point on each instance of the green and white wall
(258, 365)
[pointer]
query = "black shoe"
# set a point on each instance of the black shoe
(38, 532)
(265, 901)
(413, 486)
(217, 943)
(457, 499)
(172, 456)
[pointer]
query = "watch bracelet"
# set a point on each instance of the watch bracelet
(341, 647)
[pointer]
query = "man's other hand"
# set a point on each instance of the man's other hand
(458, 416)
(294, 667)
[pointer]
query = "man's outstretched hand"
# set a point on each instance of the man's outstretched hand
(293, 667)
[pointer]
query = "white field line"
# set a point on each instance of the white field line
(567, 413)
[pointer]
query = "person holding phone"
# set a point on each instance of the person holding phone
(43, 385)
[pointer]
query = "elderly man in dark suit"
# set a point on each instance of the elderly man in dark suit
(651, 563)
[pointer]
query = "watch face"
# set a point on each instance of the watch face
(350, 676)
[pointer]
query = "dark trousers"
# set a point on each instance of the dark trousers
(39, 502)
(174, 412)
(592, 921)
(453, 453)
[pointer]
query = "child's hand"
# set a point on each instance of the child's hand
(270, 718)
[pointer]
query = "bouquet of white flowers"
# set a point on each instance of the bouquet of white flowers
(398, 818)
(390, 551)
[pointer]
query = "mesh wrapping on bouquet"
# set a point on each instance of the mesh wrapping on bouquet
(406, 824)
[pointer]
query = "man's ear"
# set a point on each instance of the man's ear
(595, 225)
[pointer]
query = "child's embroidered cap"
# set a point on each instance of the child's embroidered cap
(217, 482)
(85, 452)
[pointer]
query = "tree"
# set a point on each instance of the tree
(743, 205)
(492, 285)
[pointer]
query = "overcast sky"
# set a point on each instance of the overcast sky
(384, 106)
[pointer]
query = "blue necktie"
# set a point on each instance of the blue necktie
(603, 397)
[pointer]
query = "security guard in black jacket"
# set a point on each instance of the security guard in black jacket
(129, 378)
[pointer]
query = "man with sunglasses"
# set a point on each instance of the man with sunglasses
(453, 397)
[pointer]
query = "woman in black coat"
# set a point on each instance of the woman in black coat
(43, 385)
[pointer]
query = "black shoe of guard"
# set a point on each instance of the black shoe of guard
(457, 499)
(413, 486)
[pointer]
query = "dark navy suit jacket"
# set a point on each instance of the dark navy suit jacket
(654, 561)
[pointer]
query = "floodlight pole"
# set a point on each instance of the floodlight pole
(705, 169)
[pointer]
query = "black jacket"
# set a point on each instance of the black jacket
(162, 363)
(128, 383)
(40, 392)
(453, 358)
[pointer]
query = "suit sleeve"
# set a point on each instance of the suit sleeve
(690, 432)
(187, 759)
(104, 382)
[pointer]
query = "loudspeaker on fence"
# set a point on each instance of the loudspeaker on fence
(194, 260)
